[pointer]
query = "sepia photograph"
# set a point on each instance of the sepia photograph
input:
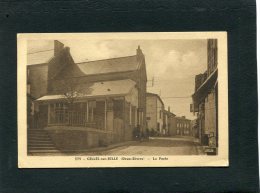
(129, 96)
(122, 99)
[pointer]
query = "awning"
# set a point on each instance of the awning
(205, 88)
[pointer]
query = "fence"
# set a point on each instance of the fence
(75, 118)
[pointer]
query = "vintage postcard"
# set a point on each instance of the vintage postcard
(122, 99)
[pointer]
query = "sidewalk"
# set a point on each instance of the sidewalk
(200, 150)
(178, 138)
(90, 150)
(111, 146)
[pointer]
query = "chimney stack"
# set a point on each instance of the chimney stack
(139, 53)
(169, 108)
(58, 46)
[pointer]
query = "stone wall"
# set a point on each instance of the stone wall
(210, 114)
(151, 113)
(67, 138)
(37, 79)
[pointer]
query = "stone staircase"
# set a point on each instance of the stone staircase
(40, 142)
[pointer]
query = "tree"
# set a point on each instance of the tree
(71, 91)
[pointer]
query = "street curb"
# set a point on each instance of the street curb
(97, 149)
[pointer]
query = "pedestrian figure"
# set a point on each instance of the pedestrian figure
(136, 133)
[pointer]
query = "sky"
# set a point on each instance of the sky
(172, 64)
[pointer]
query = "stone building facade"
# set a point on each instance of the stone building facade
(167, 120)
(205, 99)
(180, 126)
(155, 113)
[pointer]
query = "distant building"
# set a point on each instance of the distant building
(194, 128)
(93, 103)
(154, 113)
(205, 98)
(180, 126)
(167, 117)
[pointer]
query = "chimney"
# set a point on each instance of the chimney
(139, 53)
(58, 46)
(169, 108)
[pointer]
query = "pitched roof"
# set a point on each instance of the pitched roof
(149, 94)
(122, 64)
(106, 88)
(169, 113)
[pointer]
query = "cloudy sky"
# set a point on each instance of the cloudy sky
(172, 63)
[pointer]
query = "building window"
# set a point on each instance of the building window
(118, 109)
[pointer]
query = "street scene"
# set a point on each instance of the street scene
(156, 146)
(122, 97)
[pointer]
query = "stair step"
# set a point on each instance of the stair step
(46, 148)
(39, 141)
(43, 151)
(41, 145)
(36, 134)
(39, 132)
(39, 137)
(42, 132)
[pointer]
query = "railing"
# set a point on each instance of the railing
(75, 118)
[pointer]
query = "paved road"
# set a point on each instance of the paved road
(157, 146)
